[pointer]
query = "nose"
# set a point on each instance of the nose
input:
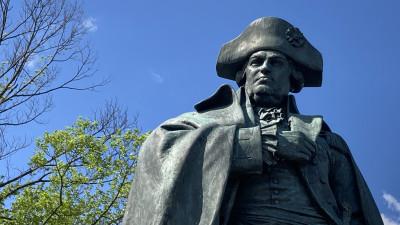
(265, 67)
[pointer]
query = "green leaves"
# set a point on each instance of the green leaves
(75, 177)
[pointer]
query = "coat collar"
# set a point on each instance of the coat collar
(225, 96)
(222, 107)
(230, 107)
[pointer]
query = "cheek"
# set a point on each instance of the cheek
(249, 77)
(284, 81)
(285, 76)
(249, 85)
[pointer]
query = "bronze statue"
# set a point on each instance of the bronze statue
(249, 156)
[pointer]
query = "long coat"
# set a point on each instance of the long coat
(189, 168)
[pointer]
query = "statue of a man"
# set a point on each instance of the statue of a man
(249, 156)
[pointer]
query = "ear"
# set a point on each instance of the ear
(240, 75)
(296, 81)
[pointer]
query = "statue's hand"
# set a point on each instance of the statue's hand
(295, 146)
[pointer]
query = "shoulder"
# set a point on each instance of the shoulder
(223, 97)
(222, 108)
(213, 110)
(208, 110)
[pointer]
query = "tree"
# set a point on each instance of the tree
(37, 39)
(80, 175)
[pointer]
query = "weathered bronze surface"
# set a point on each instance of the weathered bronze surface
(249, 156)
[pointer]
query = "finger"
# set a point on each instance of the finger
(291, 134)
(309, 146)
(295, 133)
(303, 156)
(308, 140)
(305, 153)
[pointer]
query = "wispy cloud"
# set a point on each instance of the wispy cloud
(388, 221)
(90, 24)
(32, 61)
(156, 77)
(394, 205)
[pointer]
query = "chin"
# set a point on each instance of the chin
(266, 96)
(267, 99)
(265, 91)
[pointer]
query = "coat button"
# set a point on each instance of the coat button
(276, 201)
(274, 180)
(314, 161)
(275, 192)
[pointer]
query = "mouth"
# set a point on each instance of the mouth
(264, 80)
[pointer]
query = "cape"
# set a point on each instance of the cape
(189, 168)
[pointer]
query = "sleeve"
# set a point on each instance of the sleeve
(351, 192)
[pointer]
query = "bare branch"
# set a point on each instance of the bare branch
(34, 48)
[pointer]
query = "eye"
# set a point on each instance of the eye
(256, 62)
(276, 63)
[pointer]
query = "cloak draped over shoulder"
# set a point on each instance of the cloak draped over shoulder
(189, 168)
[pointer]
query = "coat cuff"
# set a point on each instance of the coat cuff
(247, 152)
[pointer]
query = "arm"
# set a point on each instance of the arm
(348, 185)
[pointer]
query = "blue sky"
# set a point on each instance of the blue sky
(161, 57)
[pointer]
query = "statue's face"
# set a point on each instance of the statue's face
(267, 78)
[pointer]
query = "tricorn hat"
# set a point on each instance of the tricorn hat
(271, 33)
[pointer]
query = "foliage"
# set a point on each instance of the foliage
(80, 175)
(38, 38)
(76, 176)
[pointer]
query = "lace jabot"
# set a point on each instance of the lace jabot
(272, 120)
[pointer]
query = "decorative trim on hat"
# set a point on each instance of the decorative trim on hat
(295, 37)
